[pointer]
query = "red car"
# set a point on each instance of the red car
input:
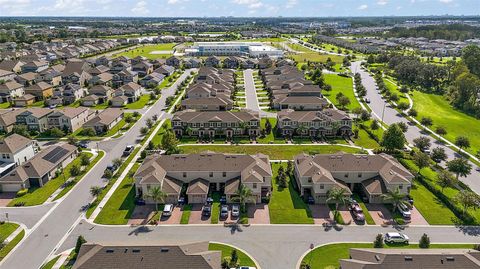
(357, 212)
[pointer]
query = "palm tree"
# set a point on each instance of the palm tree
(188, 130)
(95, 191)
(395, 197)
(243, 196)
(157, 195)
(301, 128)
(337, 195)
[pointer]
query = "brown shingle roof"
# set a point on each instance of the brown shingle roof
(13, 143)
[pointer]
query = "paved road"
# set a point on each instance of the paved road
(251, 94)
(273, 246)
(65, 214)
(390, 116)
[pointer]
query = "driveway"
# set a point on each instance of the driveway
(196, 216)
(417, 218)
(5, 198)
(380, 214)
(258, 214)
(321, 214)
(174, 218)
(141, 215)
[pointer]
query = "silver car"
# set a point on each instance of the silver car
(167, 210)
(235, 211)
(394, 237)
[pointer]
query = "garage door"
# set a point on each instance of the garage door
(11, 187)
(196, 199)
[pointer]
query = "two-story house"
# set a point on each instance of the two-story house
(68, 119)
(40, 90)
(10, 90)
(15, 149)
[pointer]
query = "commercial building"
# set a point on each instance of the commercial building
(251, 49)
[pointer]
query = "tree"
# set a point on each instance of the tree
(438, 155)
(422, 143)
(471, 58)
(421, 160)
(144, 130)
(338, 196)
(412, 113)
(80, 242)
(393, 138)
(243, 196)
(95, 191)
(441, 130)
(378, 243)
(234, 258)
(117, 162)
(88, 132)
(84, 159)
(169, 142)
(424, 241)
(136, 114)
(343, 101)
(157, 195)
(467, 199)
(403, 126)
(108, 174)
(426, 121)
(445, 179)
(396, 198)
(75, 170)
(462, 142)
(128, 118)
(72, 140)
(21, 130)
(374, 125)
(149, 122)
(403, 106)
(460, 167)
(268, 126)
(55, 132)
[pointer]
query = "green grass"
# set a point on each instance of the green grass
(5, 105)
(114, 131)
(328, 256)
(454, 121)
(286, 206)
(274, 151)
(50, 263)
(6, 249)
(140, 103)
(146, 51)
(393, 88)
(186, 212)
(78, 178)
(343, 85)
(315, 57)
(37, 196)
(243, 259)
(215, 208)
(120, 206)
(364, 140)
(6, 229)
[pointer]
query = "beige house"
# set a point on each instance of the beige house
(167, 256)
(372, 175)
(24, 100)
(41, 90)
(202, 174)
(10, 90)
(8, 119)
(69, 118)
(105, 120)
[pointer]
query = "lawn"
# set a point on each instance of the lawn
(6, 229)
(7, 248)
(276, 152)
(364, 140)
(328, 256)
(146, 51)
(454, 121)
(215, 208)
(140, 103)
(286, 206)
(51, 263)
(120, 206)
(315, 57)
(186, 212)
(38, 196)
(5, 105)
(393, 88)
(243, 259)
(343, 85)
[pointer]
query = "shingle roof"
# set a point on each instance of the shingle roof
(13, 143)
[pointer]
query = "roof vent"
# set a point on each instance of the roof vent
(408, 258)
(377, 257)
(136, 250)
(164, 250)
(109, 251)
(450, 259)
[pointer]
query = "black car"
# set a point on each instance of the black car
(128, 149)
(207, 210)
(223, 200)
(310, 200)
(139, 201)
(83, 144)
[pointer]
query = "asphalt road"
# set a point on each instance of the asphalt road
(390, 116)
(251, 95)
(273, 246)
(65, 214)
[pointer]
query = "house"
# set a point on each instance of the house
(192, 63)
(300, 103)
(264, 63)
(68, 119)
(26, 79)
(372, 175)
(8, 119)
(91, 100)
(12, 65)
(124, 77)
(231, 62)
(24, 100)
(143, 68)
(174, 61)
(248, 63)
(99, 69)
(118, 67)
(152, 80)
(102, 61)
(208, 103)
(50, 76)
(105, 120)
(6, 75)
(119, 101)
(40, 169)
(203, 173)
(165, 70)
(138, 59)
(212, 61)
(164, 256)
(327, 122)
(71, 93)
(132, 91)
(14, 151)
(40, 90)
(34, 66)
(76, 72)
(391, 258)
(104, 93)
(35, 118)
(10, 90)
(216, 123)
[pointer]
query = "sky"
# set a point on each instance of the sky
(237, 8)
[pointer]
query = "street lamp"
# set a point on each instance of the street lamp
(383, 111)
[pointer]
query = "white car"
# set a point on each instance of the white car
(167, 210)
(235, 211)
(394, 237)
(405, 211)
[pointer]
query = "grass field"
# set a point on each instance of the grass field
(343, 85)
(315, 57)
(8, 247)
(120, 206)
(6, 229)
(146, 51)
(328, 256)
(443, 114)
(243, 259)
(286, 206)
(275, 152)
(140, 103)
(393, 88)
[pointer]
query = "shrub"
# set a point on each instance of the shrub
(378, 243)
(88, 132)
(22, 192)
(424, 241)
(80, 242)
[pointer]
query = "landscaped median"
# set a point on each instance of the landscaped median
(37, 196)
(8, 230)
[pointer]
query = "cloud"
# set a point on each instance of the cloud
(382, 2)
(291, 3)
(140, 8)
(173, 2)
(445, 1)
(15, 7)
(363, 7)
(251, 4)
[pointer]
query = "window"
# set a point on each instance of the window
(400, 187)
(184, 174)
(254, 185)
(322, 186)
(211, 174)
(224, 174)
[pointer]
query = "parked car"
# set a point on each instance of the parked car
(224, 211)
(111, 168)
(405, 211)
(139, 201)
(128, 150)
(477, 169)
(357, 212)
(310, 200)
(167, 210)
(394, 237)
(83, 144)
(223, 200)
(207, 210)
(235, 211)
(367, 100)
(181, 200)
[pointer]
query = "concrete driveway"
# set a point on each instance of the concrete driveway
(5, 198)
(321, 214)
(174, 218)
(196, 216)
(380, 214)
(417, 218)
(141, 215)
(258, 214)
